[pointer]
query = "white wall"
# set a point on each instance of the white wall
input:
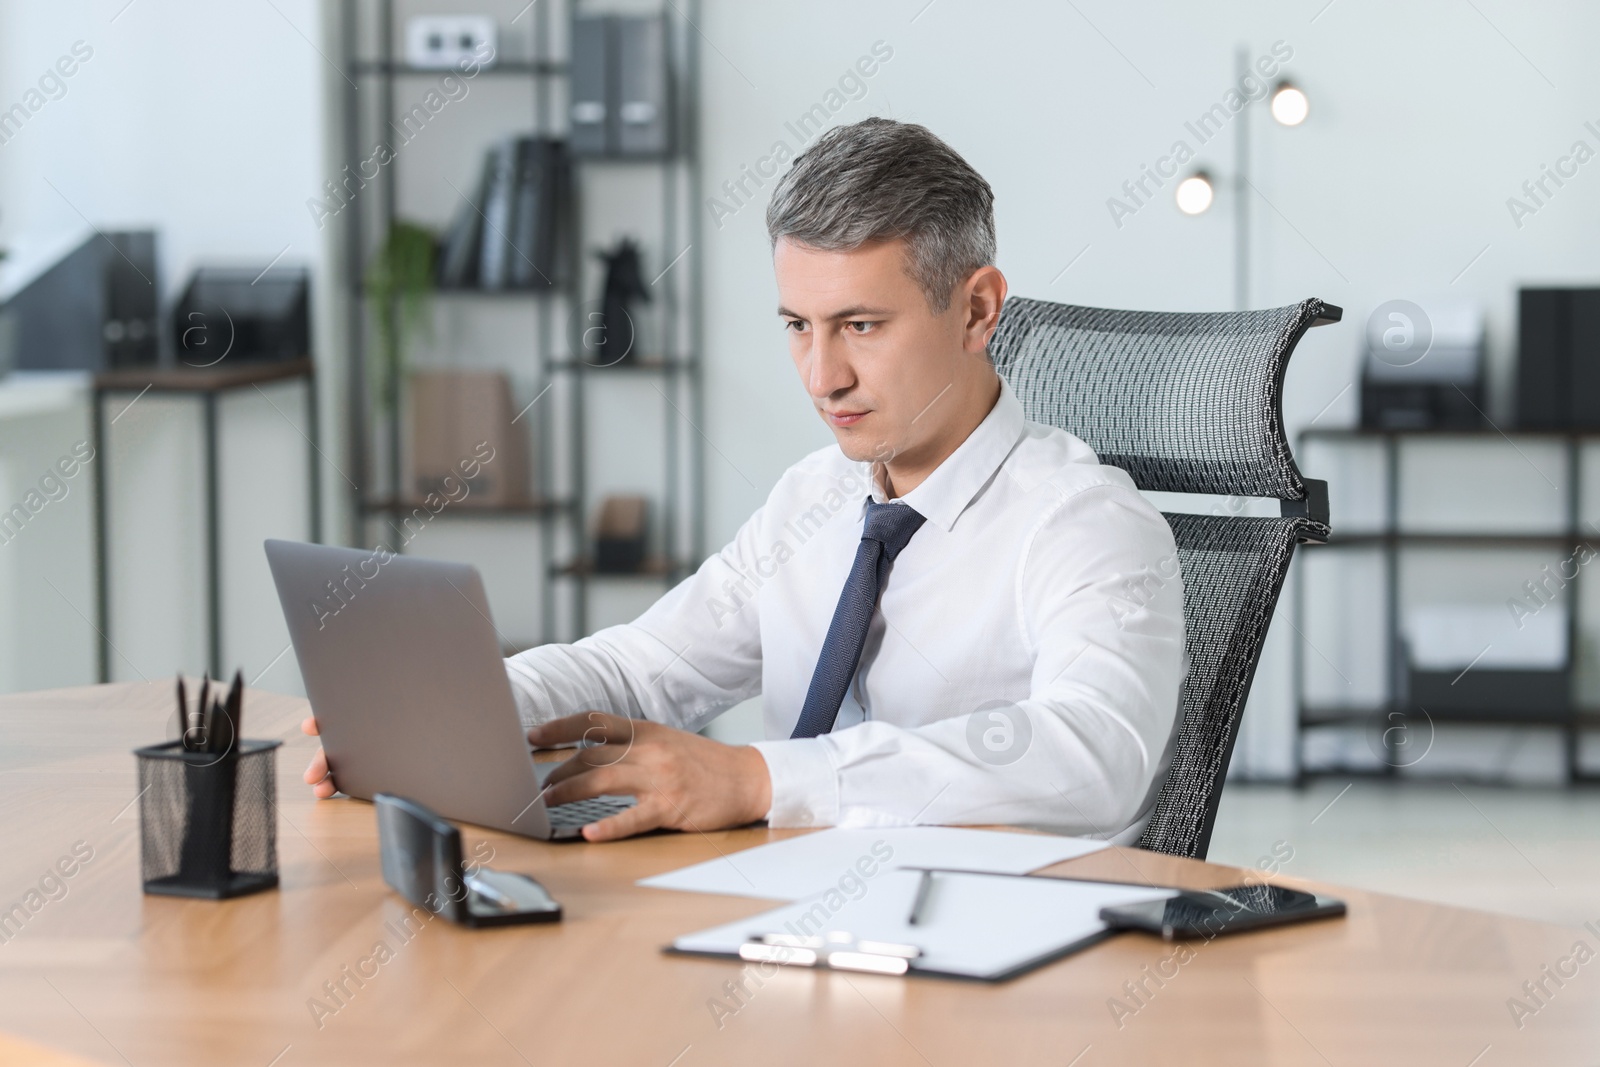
(200, 119)
(46, 575)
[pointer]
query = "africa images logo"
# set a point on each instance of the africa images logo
(999, 733)
(1400, 333)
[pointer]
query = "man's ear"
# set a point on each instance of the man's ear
(985, 293)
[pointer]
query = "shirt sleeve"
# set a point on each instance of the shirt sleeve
(1101, 600)
(695, 653)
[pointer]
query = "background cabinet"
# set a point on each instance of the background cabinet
(1456, 591)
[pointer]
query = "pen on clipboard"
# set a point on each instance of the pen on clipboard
(924, 884)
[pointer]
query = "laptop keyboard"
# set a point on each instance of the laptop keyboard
(584, 812)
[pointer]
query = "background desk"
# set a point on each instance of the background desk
(210, 385)
(106, 973)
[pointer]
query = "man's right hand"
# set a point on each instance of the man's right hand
(317, 776)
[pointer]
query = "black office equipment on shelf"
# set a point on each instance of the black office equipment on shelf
(609, 334)
(95, 308)
(1423, 371)
(1541, 695)
(443, 42)
(243, 315)
(621, 531)
(1558, 359)
(1466, 659)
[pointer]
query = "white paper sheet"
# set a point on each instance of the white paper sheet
(973, 925)
(813, 863)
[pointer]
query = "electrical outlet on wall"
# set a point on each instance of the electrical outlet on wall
(442, 41)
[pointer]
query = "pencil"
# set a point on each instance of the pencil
(923, 885)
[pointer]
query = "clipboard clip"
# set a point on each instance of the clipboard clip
(837, 950)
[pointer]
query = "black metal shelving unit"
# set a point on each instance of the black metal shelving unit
(561, 512)
(1390, 540)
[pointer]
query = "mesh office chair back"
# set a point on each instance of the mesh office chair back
(1186, 403)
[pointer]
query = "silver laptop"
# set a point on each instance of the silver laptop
(403, 668)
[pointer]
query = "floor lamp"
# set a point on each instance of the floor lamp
(1196, 193)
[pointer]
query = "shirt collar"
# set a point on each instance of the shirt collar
(945, 494)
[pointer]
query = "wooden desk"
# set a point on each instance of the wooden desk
(106, 973)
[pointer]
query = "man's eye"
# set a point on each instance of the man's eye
(858, 326)
(797, 325)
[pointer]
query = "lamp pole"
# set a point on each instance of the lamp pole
(1241, 191)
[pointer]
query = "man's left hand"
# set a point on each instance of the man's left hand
(682, 781)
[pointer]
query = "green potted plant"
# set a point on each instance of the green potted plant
(400, 283)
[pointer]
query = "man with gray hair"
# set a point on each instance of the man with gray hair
(933, 612)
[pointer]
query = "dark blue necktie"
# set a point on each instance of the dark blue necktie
(887, 529)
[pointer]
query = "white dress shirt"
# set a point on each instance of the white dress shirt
(1022, 667)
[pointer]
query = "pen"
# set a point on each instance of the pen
(923, 885)
(232, 711)
(238, 705)
(214, 730)
(203, 713)
(183, 714)
(217, 740)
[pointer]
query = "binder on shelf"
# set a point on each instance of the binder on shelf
(465, 448)
(1557, 381)
(494, 258)
(590, 114)
(644, 110)
(458, 259)
(1585, 326)
(509, 238)
(539, 198)
(621, 86)
(91, 306)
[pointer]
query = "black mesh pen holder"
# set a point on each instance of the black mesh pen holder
(207, 821)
